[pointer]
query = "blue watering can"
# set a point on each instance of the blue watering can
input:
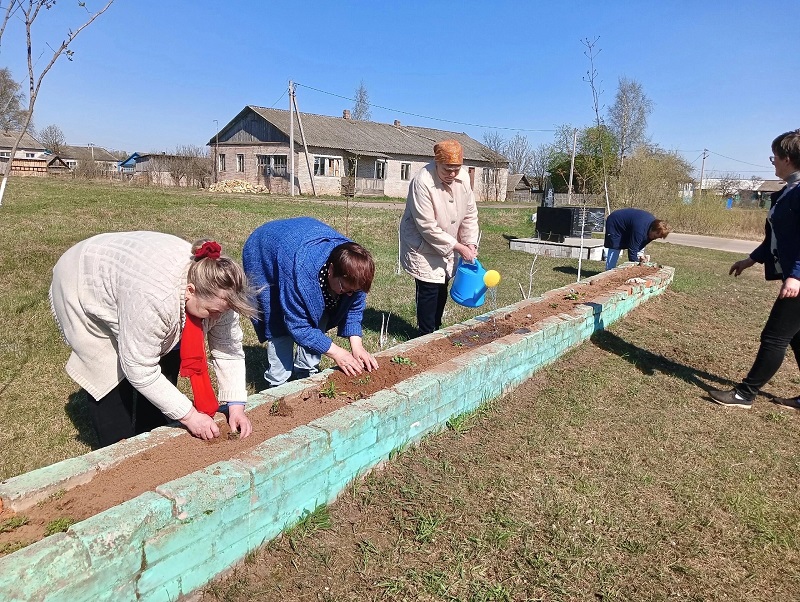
(468, 288)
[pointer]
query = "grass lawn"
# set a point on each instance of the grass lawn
(607, 476)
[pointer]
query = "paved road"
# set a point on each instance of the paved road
(744, 247)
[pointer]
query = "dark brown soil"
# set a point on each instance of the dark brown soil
(183, 455)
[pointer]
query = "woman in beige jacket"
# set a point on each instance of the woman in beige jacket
(440, 219)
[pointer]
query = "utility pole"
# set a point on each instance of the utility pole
(216, 150)
(702, 170)
(291, 135)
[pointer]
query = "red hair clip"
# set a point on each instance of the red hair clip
(210, 249)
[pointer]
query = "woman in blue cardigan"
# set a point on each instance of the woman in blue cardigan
(311, 278)
(780, 254)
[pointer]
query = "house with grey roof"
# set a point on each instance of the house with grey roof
(89, 158)
(344, 155)
(31, 157)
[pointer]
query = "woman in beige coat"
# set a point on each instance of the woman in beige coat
(440, 219)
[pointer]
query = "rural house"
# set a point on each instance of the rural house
(31, 158)
(89, 159)
(345, 156)
(168, 169)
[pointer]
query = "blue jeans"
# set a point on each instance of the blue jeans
(612, 257)
(283, 361)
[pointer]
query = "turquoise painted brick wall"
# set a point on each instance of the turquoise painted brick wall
(170, 542)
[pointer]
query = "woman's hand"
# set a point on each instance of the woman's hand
(200, 425)
(790, 288)
(362, 355)
(238, 421)
(467, 252)
(740, 266)
(345, 360)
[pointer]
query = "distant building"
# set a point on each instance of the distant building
(90, 158)
(345, 156)
(30, 159)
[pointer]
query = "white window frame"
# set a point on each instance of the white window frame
(329, 166)
(405, 171)
(221, 162)
(383, 168)
(240, 162)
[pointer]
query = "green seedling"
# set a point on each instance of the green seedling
(553, 305)
(329, 390)
(399, 359)
(12, 546)
(275, 407)
(572, 296)
(364, 380)
(458, 344)
(13, 523)
(59, 525)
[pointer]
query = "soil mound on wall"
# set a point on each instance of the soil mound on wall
(183, 455)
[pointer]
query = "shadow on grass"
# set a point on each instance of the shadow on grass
(649, 363)
(573, 271)
(399, 328)
(255, 363)
(77, 410)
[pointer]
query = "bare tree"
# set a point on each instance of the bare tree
(627, 117)
(361, 107)
(27, 11)
(495, 146)
(541, 161)
(594, 84)
(520, 155)
(53, 139)
(728, 184)
(12, 101)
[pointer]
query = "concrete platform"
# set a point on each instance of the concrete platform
(570, 248)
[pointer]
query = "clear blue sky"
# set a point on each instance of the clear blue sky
(149, 75)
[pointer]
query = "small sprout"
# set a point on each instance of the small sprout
(275, 407)
(329, 390)
(399, 359)
(59, 525)
(364, 380)
(13, 523)
(572, 296)
(233, 435)
(554, 305)
(458, 344)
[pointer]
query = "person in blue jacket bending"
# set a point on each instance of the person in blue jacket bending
(310, 279)
(631, 229)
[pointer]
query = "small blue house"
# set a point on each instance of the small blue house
(128, 165)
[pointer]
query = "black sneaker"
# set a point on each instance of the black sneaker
(789, 402)
(731, 399)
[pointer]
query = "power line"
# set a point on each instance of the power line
(737, 160)
(475, 125)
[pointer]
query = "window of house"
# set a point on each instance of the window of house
(239, 162)
(5, 154)
(327, 166)
(71, 163)
(221, 161)
(30, 155)
(405, 171)
(280, 164)
(273, 165)
(380, 169)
